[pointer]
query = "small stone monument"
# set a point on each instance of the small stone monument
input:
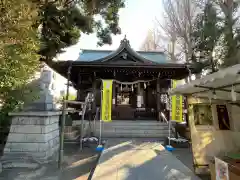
(34, 132)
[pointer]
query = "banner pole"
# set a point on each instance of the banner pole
(169, 132)
(100, 133)
(100, 123)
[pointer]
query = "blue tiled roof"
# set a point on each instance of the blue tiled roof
(91, 55)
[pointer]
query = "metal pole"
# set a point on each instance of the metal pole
(83, 114)
(170, 114)
(169, 132)
(84, 106)
(61, 150)
(100, 133)
(100, 119)
(94, 122)
(68, 81)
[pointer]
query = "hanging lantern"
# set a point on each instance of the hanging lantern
(132, 87)
(145, 85)
(233, 94)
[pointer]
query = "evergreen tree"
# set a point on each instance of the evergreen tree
(18, 58)
(63, 21)
(206, 33)
(231, 32)
(217, 30)
(33, 29)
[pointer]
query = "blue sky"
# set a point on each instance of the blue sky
(136, 19)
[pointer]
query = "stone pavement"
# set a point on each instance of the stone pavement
(135, 159)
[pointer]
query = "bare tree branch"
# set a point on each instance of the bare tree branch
(179, 17)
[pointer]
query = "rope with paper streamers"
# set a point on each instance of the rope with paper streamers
(134, 82)
(130, 83)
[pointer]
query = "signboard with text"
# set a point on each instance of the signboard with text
(106, 106)
(177, 105)
(221, 168)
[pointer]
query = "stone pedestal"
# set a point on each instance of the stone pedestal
(35, 134)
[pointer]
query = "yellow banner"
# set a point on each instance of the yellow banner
(177, 105)
(106, 107)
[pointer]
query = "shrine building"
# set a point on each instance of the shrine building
(141, 79)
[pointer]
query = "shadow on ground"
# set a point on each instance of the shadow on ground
(77, 165)
(123, 161)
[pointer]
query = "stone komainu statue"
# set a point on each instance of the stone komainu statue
(45, 100)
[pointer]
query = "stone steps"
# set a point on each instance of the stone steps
(133, 129)
(133, 123)
(136, 127)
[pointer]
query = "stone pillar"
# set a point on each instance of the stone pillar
(34, 134)
(158, 100)
(139, 97)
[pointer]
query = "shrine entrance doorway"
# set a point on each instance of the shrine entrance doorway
(124, 104)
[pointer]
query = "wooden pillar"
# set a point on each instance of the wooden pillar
(146, 97)
(158, 100)
(186, 110)
(94, 88)
(78, 87)
(68, 80)
(114, 95)
(139, 97)
(142, 96)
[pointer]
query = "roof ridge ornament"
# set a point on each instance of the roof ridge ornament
(125, 40)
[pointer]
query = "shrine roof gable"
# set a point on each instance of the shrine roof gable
(124, 54)
(88, 55)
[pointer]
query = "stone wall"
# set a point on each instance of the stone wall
(34, 133)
